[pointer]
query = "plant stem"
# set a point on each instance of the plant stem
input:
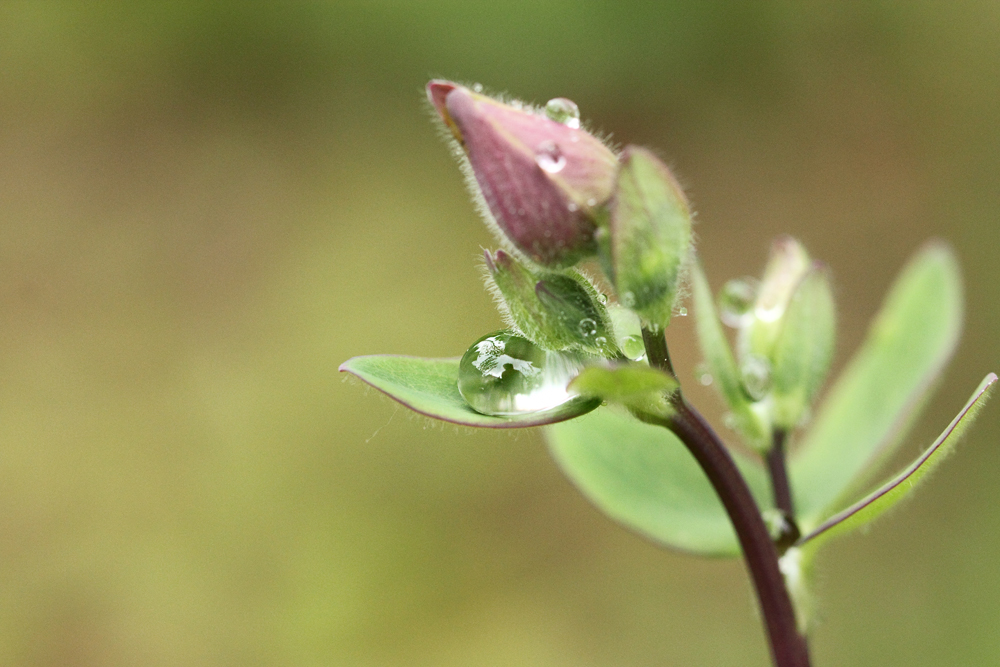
(788, 647)
(782, 491)
(779, 475)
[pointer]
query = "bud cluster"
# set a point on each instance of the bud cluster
(556, 195)
(784, 341)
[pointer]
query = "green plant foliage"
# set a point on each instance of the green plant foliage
(721, 362)
(644, 477)
(869, 408)
(879, 501)
(632, 385)
(430, 387)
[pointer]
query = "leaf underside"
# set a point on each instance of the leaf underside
(873, 402)
(644, 477)
(430, 387)
(879, 501)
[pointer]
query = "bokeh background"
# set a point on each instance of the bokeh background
(205, 207)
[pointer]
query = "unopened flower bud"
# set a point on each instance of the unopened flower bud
(543, 181)
(560, 311)
(649, 236)
(787, 265)
(804, 348)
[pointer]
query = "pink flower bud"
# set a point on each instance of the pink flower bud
(542, 180)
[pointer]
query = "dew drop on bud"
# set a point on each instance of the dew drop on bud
(682, 312)
(587, 327)
(549, 157)
(563, 111)
(477, 87)
(505, 374)
(634, 348)
(756, 375)
(736, 302)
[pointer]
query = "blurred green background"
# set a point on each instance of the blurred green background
(207, 206)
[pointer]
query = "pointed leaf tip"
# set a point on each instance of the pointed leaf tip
(430, 387)
(902, 485)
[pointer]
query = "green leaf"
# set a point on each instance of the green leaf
(430, 387)
(630, 384)
(876, 503)
(721, 363)
(875, 399)
(644, 477)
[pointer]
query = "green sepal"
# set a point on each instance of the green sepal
(719, 359)
(870, 406)
(430, 387)
(556, 310)
(885, 497)
(633, 385)
(574, 306)
(802, 353)
(650, 236)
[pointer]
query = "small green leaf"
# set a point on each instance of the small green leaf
(876, 503)
(633, 385)
(721, 363)
(644, 477)
(873, 402)
(430, 387)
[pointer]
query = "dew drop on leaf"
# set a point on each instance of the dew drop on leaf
(505, 374)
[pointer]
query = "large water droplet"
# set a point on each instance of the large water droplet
(505, 374)
(756, 375)
(736, 302)
(549, 157)
(563, 111)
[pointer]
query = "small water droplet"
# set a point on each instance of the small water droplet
(587, 327)
(603, 298)
(634, 348)
(756, 375)
(549, 157)
(591, 202)
(682, 312)
(477, 87)
(572, 207)
(702, 373)
(736, 302)
(600, 341)
(505, 374)
(563, 111)
(627, 299)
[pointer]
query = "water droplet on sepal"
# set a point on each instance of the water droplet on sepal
(503, 374)
(563, 111)
(549, 157)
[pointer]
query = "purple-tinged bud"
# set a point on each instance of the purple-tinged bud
(542, 180)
